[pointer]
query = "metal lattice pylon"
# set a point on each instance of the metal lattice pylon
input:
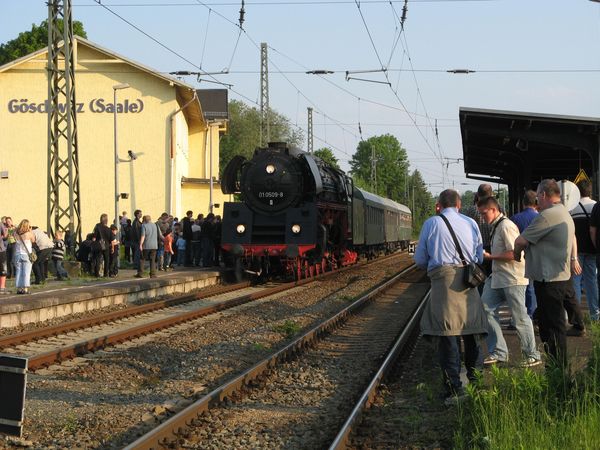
(64, 211)
(310, 130)
(265, 131)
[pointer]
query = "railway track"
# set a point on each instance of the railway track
(306, 399)
(56, 344)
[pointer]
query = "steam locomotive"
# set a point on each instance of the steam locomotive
(300, 216)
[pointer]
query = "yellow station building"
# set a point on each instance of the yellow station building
(159, 118)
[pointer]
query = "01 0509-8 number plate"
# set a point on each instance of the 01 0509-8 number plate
(270, 195)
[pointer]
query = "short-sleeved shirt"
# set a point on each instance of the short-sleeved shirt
(150, 231)
(506, 273)
(581, 215)
(524, 218)
(595, 222)
(550, 237)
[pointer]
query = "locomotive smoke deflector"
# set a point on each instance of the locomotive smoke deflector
(314, 170)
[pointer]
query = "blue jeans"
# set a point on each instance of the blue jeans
(22, 271)
(514, 296)
(137, 256)
(590, 283)
(530, 300)
(449, 358)
(60, 269)
(181, 256)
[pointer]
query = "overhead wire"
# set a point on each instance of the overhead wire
(230, 87)
(390, 86)
(169, 49)
(205, 37)
(279, 3)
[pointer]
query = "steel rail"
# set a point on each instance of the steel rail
(99, 342)
(169, 430)
(42, 333)
(366, 399)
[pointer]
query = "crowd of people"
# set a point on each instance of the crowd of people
(542, 290)
(25, 248)
(164, 244)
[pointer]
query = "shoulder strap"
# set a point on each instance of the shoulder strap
(584, 211)
(494, 229)
(460, 253)
(24, 245)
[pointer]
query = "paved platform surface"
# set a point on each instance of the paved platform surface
(59, 298)
(579, 349)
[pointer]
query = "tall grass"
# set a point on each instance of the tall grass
(523, 409)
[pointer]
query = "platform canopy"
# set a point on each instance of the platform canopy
(520, 148)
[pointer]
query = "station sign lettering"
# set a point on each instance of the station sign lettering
(96, 105)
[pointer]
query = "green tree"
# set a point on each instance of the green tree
(243, 136)
(391, 166)
(467, 200)
(326, 154)
(29, 41)
(422, 203)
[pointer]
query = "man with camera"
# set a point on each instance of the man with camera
(507, 283)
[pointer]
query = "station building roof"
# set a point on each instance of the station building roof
(521, 148)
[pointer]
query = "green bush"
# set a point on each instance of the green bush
(523, 409)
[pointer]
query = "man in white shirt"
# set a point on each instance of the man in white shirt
(507, 283)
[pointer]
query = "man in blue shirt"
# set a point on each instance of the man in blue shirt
(522, 220)
(454, 309)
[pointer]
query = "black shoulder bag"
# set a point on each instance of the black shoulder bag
(473, 274)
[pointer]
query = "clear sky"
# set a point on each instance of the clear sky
(531, 55)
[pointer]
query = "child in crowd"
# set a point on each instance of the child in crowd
(180, 250)
(168, 242)
(113, 267)
(58, 255)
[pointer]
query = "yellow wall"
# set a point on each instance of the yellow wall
(196, 198)
(23, 142)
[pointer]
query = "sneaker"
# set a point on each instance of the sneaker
(456, 398)
(492, 359)
(138, 275)
(530, 362)
(4, 291)
(576, 332)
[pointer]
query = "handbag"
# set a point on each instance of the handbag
(473, 275)
(32, 255)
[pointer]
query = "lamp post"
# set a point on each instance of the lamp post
(115, 89)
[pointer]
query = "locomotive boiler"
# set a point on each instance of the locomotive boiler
(299, 215)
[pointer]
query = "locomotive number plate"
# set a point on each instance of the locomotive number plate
(270, 195)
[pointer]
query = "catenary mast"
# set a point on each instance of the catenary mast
(64, 210)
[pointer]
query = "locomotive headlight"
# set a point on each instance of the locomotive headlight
(241, 228)
(296, 228)
(270, 168)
